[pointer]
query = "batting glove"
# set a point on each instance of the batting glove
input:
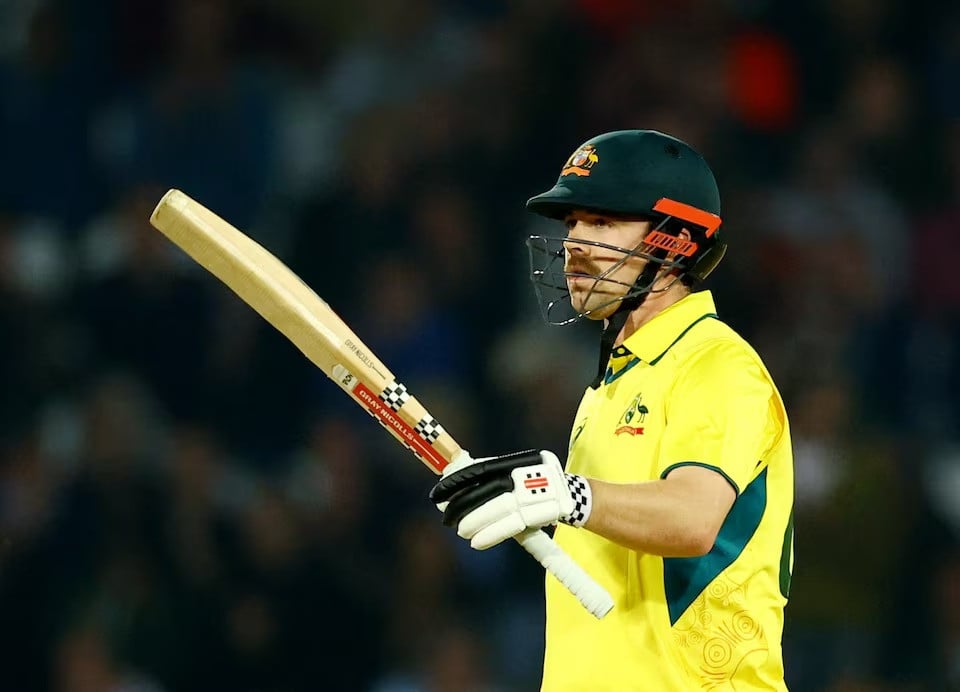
(492, 499)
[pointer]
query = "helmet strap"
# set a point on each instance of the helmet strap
(616, 321)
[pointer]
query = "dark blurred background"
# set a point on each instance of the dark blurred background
(186, 504)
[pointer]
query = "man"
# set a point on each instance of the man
(678, 490)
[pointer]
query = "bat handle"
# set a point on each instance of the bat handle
(591, 595)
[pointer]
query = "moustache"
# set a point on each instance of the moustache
(580, 270)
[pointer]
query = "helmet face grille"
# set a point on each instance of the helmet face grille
(550, 277)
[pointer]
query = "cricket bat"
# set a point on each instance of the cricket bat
(295, 310)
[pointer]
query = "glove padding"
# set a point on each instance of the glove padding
(490, 500)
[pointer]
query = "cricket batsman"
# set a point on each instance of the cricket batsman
(677, 495)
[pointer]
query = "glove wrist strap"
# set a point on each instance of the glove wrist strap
(582, 500)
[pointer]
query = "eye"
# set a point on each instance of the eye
(600, 222)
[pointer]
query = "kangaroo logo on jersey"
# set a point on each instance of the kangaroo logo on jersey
(635, 414)
(581, 161)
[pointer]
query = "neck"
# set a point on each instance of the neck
(656, 302)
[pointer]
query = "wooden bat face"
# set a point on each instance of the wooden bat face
(280, 297)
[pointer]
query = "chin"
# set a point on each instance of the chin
(604, 312)
(599, 312)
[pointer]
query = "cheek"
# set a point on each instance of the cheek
(631, 266)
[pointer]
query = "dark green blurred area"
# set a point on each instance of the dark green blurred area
(186, 504)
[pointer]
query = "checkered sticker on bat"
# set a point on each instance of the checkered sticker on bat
(429, 429)
(395, 395)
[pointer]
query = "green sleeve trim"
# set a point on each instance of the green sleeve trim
(715, 469)
(685, 578)
(786, 575)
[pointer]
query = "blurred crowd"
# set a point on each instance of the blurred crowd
(186, 504)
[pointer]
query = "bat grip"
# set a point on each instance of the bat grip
(591, 595)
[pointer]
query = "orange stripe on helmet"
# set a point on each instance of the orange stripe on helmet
(670, 243)
(684, 212)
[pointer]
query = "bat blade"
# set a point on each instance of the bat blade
(295, 310)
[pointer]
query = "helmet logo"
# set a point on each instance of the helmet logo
(581, 161)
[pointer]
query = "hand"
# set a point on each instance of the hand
(490, 500)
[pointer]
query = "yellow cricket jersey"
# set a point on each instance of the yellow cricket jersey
(683, 389)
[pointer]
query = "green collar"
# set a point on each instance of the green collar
(652, 341)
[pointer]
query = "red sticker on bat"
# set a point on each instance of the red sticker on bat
(383, 413)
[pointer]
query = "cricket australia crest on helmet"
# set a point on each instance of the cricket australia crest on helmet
(581, 161)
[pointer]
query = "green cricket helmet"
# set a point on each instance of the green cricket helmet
(637, 174)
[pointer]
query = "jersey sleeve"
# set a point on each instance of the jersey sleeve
(721, 414)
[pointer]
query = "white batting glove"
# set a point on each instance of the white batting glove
(492, 499)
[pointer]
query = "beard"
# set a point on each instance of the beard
(594, 297)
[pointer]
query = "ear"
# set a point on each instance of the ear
(684, 234)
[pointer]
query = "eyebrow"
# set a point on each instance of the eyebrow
(610, 216)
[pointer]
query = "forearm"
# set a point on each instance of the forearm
(656, 517)
(494, 498)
